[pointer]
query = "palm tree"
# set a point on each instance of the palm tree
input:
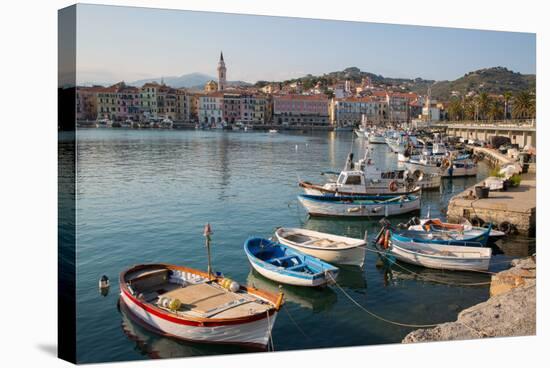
(494, 111)
(524, 105)
(469, 109)
(507, 97)
(455, 110)
(483, 105)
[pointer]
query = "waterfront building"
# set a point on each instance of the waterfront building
(86, 103)
(210, 109)
(128, 102)
(351, 111)
(301, 109)
(183, 111)
(397, 105)
(148, 100)
(107, 102)
(254, 108)
(222, 74)
(231, 105)
(166, 102)
(194, 105)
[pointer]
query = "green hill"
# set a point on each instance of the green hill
(491, 80)
(495, 80)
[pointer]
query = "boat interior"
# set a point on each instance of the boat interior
(198, 296)
(313, 241)
(281, 257)
(437, 235)
(448, 251)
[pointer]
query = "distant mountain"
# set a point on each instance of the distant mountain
(186, 80)
(192, 80)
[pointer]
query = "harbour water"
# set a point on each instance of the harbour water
(145, 195)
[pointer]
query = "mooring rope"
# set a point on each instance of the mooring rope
(376, 315)
(295, 324)
(270, 336)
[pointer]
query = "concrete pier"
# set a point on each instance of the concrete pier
(520, 132)
(516, 206)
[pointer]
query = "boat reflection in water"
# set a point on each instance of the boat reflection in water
(316, 299)
(153, 345)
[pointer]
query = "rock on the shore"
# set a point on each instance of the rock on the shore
(511, 311)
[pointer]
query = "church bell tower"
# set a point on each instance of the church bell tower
(221, 73)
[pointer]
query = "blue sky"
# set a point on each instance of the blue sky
(125, 43)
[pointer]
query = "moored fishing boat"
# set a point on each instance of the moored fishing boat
(328, 247)
(359, 206)
(369, 182)
(475, 238)
(191, 305)
(283, 264)
(376, 138)
(437, 256)
(438, 226)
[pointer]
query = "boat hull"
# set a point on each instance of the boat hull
(353, 256)
(288, 279)
(410, 253)
(381, 188)
(253, 334)
(316, 207)
(377, 140)
(445, 173)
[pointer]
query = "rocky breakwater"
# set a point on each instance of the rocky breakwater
(510, 310)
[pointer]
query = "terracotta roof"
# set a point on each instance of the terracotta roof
(323, 98)
(355, 99)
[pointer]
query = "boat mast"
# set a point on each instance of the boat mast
(207, 232)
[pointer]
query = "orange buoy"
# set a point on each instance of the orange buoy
(393, 186)
(387, 239)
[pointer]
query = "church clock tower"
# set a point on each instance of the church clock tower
(221, 73)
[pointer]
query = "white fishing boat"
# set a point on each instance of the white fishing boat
(188, 304)
(104, 123)
(376, 138)
(127, 123)
(357, 182)
(328, 247)
(359, 206)
(438, 256)
(273, 131)
(364, 178)
(166, 123)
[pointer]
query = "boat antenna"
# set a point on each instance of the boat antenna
(207, 232)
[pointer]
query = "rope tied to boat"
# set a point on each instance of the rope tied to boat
(372, 314)
(295, 323)
(270, 336)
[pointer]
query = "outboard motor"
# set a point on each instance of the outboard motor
(350, 161)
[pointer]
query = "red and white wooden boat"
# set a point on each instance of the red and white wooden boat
(184, 303)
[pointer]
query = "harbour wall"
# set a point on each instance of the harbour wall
(509, 311)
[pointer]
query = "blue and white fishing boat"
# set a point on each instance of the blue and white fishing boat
(435, 225)
(466, 257)
(463, 238)
(283, 264)
(360, 205)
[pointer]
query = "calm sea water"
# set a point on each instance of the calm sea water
(144, 196)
